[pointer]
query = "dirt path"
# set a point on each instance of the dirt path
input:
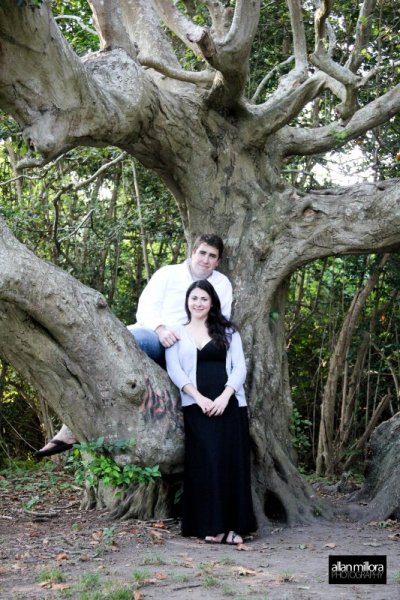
(58, 551)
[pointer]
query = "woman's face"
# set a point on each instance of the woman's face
(199, 303)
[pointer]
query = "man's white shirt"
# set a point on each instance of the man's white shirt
(162, 301)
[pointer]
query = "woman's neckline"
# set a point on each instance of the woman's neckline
(200, 343)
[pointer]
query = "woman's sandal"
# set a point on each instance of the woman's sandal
(56, 447)
(233, 538)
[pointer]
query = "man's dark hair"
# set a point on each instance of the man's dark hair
(212, 240)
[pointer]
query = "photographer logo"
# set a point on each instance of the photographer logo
(356, 569)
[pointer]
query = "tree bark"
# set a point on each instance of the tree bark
(382, 486)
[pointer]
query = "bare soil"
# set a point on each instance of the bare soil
(50, 548)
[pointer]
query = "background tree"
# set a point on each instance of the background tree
(333, 316)
(221, 147)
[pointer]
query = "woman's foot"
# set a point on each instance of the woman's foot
(231, 538)
(62, 441)
(234, 539)
(53, 447)
(216, 539)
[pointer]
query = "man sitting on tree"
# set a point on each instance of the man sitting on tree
(161, 308)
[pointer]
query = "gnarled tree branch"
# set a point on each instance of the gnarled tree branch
(267, 118)
(232, 56)
(337, 221)
(110, 27)
(363, 32)
(312, 141)
(60, 100)
(299, 73)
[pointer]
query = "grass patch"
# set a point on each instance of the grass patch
(153, 559)
(89, 581)
(211, 581)
(206, 567)
(227, 561)
(140, 575)
(51, 575)
(227, 590)
(111, 590)
(181, 577)
(122, 593)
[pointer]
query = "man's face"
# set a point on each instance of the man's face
(204, 260)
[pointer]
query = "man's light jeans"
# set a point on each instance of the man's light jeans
(148, 341)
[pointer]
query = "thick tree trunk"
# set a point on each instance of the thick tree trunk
(382, 475)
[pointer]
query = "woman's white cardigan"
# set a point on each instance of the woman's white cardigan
(182, 365)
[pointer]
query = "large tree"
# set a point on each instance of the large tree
(222, 155)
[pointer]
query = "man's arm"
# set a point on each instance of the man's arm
(149, 310)
(150, 303)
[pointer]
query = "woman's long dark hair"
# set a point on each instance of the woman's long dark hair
(218, 326)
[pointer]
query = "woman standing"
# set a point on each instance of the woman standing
(207, 365)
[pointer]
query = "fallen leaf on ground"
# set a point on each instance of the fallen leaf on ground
(156, 537)
(60, 586)
(188, 563)
(137, 595)
(160, 576)
(244, 572)
(84, 557)
(159, 525)
(62, 556)
(242, 547)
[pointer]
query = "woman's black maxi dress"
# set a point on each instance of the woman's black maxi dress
(217, 490)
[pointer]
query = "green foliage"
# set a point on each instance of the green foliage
(300, 431)
(340, 136)
(31, 503)
(18, 405)
(100, 466)
(274, 315)
(93, 230)
(319, 298)
(78, 30)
